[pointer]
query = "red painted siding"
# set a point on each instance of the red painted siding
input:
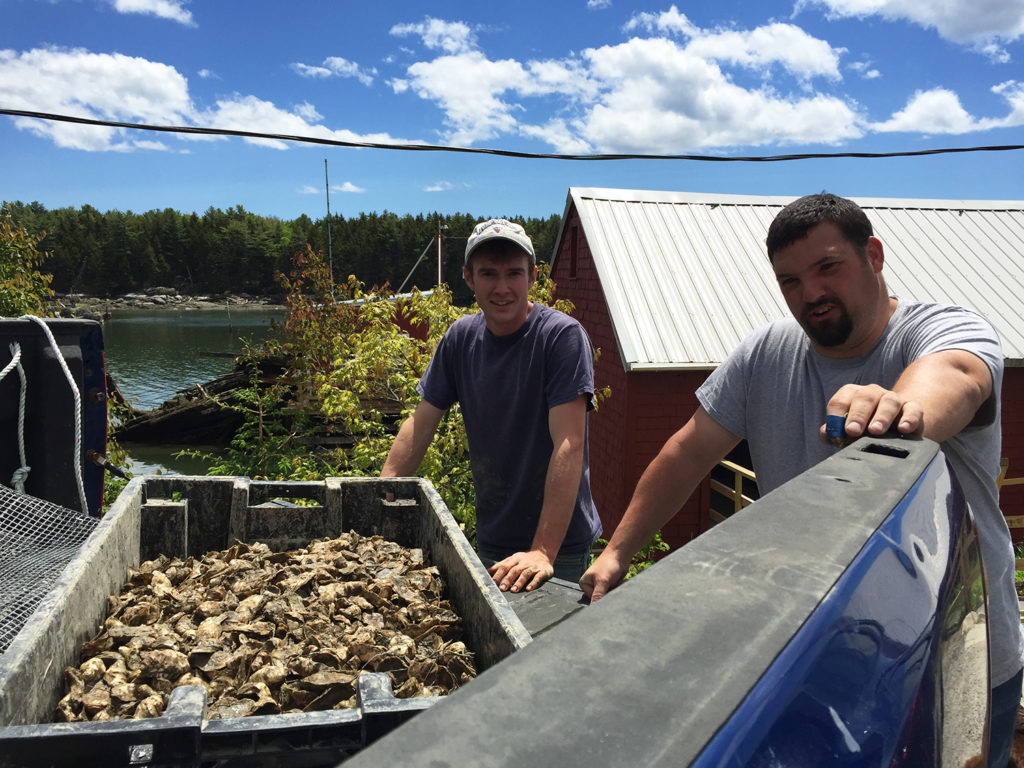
(608, 429)
(643, 409)
(659, 404)
(418, 330)
(1011, 498)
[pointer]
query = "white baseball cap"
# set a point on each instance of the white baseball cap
(499, 229)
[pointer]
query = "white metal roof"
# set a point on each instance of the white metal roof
(686, 276)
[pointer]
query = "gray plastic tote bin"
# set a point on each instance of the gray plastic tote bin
(182, 516)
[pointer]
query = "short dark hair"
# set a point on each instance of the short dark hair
(801, 216)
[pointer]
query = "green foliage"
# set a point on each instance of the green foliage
(23, 288)
(644, 558)
(116, 453)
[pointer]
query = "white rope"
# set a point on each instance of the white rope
(21, 473)
(77, 458)
(15, 359)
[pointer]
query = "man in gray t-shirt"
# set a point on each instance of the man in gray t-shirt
(849, 350)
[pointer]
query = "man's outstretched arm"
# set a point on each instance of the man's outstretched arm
(412, 441)
(567, 424)
(937, 396)
(666, 484)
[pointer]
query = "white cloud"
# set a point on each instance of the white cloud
(982, 24)
(307, 70)
(994, 52)
(566, 78)
(670, 22)
(348, 186)
(448, 36)
(249, 113)
(939, 111)
(865, 70)
(787, 45)
(208, 74)
(662, 98)
(650, 95)
(1013, 92)
(153, 145)
(94, 85)
(307, 112)
(598, 4)
(469, 88)
(164, 9)
(931, 112)
(441, 186)
(566, 140)
(114, 87)
(335, 66)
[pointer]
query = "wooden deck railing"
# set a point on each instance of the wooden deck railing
(734, 492)
(739, 500)
(1013, 521)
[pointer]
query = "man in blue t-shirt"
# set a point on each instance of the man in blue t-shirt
(523, 375)
(849, 350)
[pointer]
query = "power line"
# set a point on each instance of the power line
(409, 147)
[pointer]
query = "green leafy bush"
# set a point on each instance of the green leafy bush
(643, 559)
(23, 289)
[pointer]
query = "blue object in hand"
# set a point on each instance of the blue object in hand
(835, 429)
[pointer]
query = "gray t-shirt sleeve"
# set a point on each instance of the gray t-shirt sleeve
(438, 384)
(571, 365)
(930, 328)
(731, 389)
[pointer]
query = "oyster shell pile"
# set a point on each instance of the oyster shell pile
(269, 633)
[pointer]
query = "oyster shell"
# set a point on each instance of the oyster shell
(271, 632)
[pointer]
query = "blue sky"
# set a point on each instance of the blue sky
(727, 79)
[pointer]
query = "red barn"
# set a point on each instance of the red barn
(668, 283)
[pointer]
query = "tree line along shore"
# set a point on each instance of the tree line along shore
(234, 251)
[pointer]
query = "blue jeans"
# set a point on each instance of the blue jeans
(1005, 703)
(568, 567)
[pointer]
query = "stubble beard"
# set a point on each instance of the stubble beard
(831, 334)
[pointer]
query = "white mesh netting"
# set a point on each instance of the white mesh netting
(37, 540)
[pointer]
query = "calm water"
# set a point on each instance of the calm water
(153, 354)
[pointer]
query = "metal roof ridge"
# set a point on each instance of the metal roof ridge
(685, 197)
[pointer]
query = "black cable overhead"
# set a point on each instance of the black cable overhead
(498, 152)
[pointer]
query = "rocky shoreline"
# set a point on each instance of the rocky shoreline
(97, 308)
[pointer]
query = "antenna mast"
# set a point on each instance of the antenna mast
(330, 255)
(440, 251)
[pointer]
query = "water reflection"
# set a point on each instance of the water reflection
(153, 354)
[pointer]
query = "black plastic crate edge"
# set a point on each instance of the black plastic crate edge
(183, 737)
